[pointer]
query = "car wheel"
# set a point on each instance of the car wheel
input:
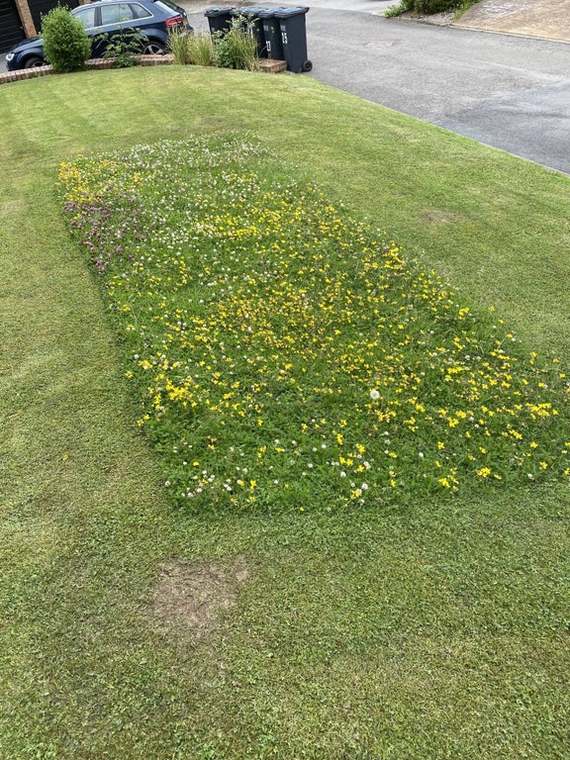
(153, 47)
(33, 62)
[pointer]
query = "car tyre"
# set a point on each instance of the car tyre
(33, 62)
(154, 47)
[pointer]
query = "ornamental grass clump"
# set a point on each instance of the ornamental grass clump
(234, 49)
(201, 50)
(283, 355)
(178, 46)
(237, 48)
(65, 41)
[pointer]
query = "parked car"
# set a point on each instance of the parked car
(152, 18)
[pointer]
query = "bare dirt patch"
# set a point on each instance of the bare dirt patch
(196, 594)
(440, 216)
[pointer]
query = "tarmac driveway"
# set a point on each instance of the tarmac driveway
(509, 92)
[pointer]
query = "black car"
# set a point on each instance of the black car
(103, 19)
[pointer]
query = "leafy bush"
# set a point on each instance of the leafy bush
(123, 46)
(237, 48)
(66, 44)
(396, 10)
(426, 7)
(434, 6)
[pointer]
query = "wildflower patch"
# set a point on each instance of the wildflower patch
(283, 355)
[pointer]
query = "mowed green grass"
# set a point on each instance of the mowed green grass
(434, 630)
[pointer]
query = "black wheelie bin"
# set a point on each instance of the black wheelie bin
(272, 33)
(294, 38)
(219, 18)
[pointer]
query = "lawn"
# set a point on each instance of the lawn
(434, 628)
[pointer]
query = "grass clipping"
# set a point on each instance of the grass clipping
(283, 355)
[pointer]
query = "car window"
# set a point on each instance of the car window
(87, 17)
(166, 6)
(139, 12)
(116, 13)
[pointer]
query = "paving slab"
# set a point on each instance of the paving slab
(548, 19)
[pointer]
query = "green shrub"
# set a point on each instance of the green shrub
(397, 10)
(425, 6)
(123, 46)
(66, 44)
(237, 48)
(435, 6)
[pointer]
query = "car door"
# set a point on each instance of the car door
(117, 18)
(89, 17)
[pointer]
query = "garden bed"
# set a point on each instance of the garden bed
(91, 64)
(284, 354)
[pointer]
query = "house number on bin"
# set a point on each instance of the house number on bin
(284, 37)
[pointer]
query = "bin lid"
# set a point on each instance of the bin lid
(245, 10)
(289, 12)
(264, 12)
(218, 10)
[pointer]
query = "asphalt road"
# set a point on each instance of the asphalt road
(509, 92)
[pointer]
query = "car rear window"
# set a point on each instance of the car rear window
(87, 17)
(139, 12)
(116, 13)
(166, 6)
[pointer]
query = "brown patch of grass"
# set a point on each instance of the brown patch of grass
(195, 594)
(442, 216)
